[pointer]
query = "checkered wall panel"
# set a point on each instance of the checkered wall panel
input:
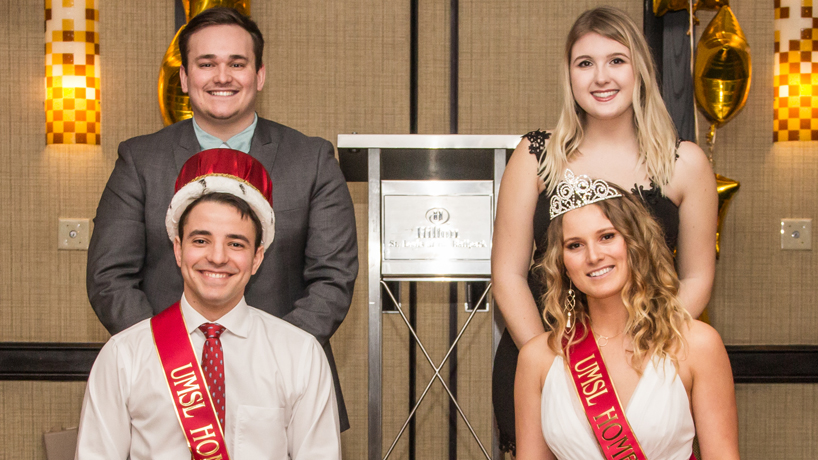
(72, 107)
(796, 71)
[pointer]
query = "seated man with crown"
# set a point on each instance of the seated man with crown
(211, 377)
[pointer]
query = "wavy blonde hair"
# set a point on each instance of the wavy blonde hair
(650, 295)
(654, 128)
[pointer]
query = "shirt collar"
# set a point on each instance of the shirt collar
(237, 320)
(240, 141)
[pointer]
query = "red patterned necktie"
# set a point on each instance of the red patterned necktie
(213, 366)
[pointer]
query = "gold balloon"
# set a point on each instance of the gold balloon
(726, 188)
(721, 77)
(174, 104)
(710, 4)
(660, 7)
(197, 6)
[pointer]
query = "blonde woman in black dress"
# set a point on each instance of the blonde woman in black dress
(613, 126)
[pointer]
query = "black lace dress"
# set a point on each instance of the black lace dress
(505, 361)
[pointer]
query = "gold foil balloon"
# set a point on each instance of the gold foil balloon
(197, 6)
(721, 76)
(660, 7)
(710, 4)
(726, 188)
(174, 104)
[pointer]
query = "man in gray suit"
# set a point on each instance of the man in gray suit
(308, 273)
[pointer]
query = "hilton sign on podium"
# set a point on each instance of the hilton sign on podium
(443, 230)
(431, 202)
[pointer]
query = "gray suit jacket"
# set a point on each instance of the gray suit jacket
(308, 273)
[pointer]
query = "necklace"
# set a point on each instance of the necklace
(602, 340)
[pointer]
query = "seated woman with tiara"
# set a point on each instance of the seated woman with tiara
(625, 372)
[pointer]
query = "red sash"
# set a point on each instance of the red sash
(187, 386)
(598, 396)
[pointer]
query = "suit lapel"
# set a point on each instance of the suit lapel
(264, 146)
(186, 145)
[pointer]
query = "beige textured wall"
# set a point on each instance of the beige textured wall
(333, 67)
(33, 408)
(777, 421)
(509, 56)
(764, 295)
(336, 67)
(42, 290)
(342, 67)
(434, 48)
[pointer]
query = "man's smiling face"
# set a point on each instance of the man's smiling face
(217, 255)
(221, 78)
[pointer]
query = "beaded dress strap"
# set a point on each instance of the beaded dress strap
(537, 139)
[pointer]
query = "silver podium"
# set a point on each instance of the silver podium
(431, 200)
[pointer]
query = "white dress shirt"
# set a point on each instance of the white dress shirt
(279, 393)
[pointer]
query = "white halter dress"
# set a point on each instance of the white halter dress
(658, 413)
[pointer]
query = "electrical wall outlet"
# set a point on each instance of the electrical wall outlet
(73, 234)
(796, 234)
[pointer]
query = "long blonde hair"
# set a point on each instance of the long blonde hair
(655, 132)
(650, 295)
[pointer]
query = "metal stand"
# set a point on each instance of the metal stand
(446, 167)
(437, 371)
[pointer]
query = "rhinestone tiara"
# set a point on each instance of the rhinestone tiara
(577, 191)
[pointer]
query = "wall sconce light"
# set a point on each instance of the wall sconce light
(72, 72)
(796, 72)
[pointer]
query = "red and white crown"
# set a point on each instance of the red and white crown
(224, 171)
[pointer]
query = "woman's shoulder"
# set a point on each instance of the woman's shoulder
(537, 352)
(692, 170)
(690, 158)
(701, 338)
(689, 151)
(535, 360)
